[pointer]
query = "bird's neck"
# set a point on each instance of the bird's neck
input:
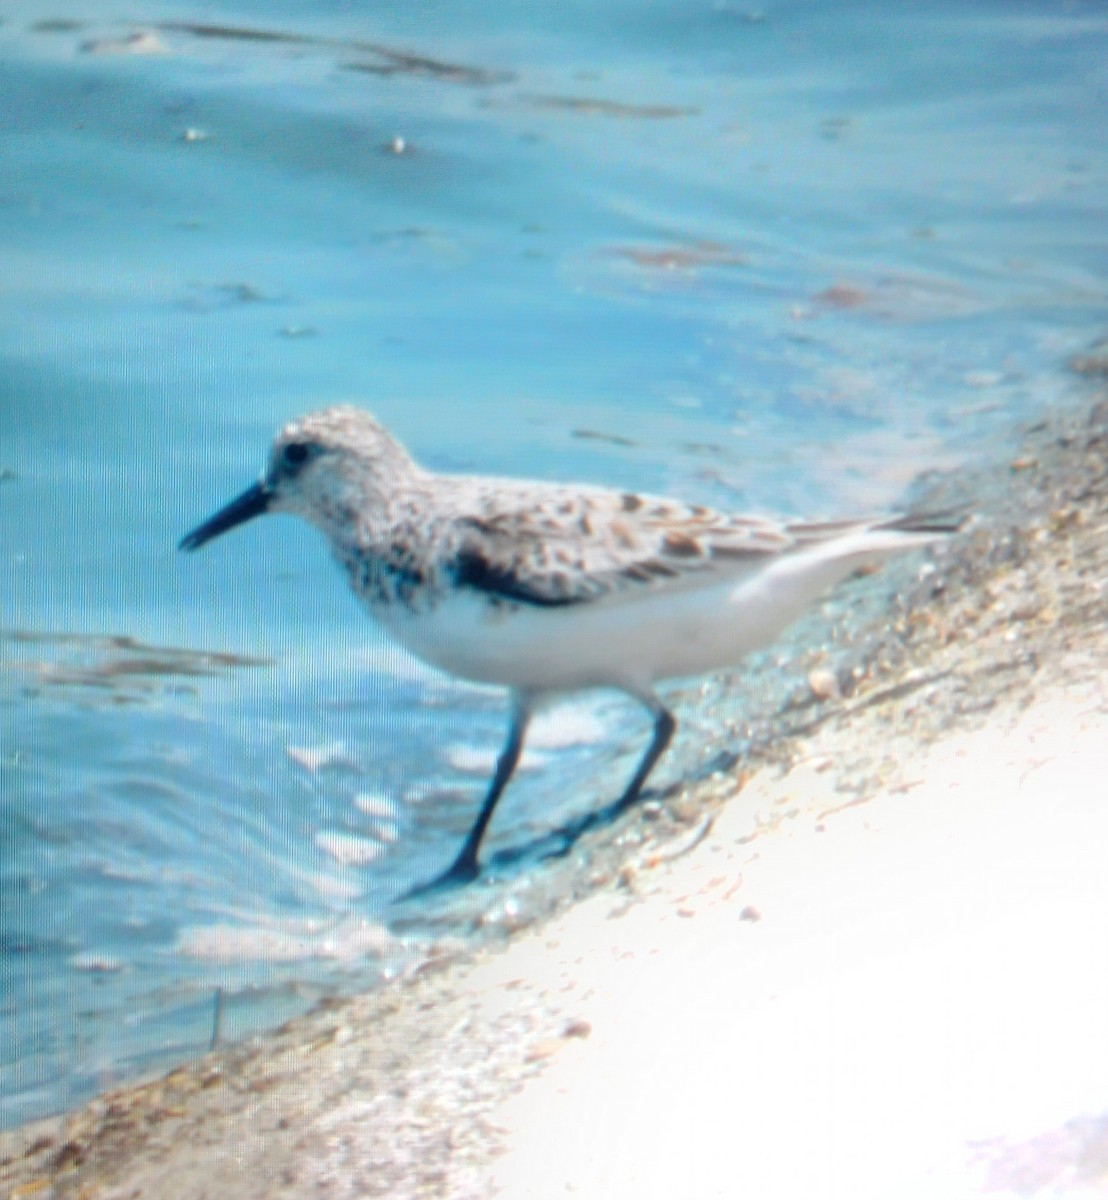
(385, 546)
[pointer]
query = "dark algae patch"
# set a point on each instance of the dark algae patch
(389, 60)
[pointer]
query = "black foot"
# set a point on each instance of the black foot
(556, 844)
(462, 872)
(559, 842)
(597, 819)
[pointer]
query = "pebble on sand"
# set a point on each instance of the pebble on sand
(823, 684)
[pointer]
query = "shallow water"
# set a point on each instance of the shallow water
(784, 256)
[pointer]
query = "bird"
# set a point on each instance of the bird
(546, 588)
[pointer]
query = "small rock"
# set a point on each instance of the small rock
(750, 913)
(1065, 517)
(823, 683)
(72, 1154)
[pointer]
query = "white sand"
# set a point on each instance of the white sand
(929, 972)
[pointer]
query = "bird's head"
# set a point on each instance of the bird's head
(330, 467)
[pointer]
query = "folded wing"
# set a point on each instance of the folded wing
(564, 547)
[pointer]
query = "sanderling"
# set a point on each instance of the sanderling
(546, 588)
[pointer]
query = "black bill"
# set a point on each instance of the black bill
(252, 503)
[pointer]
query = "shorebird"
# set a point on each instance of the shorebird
(547, 588)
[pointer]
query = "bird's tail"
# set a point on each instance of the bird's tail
(829, 550)
(937, 523)
(900, 531)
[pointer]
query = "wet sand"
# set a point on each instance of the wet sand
(867, 960)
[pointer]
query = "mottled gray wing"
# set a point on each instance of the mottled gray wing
(556, 546)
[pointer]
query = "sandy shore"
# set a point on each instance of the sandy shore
(873, 962)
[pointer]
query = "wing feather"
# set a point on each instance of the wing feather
(556, 546)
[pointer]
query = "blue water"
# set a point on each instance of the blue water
(781, 255)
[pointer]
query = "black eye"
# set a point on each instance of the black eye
(296, 454)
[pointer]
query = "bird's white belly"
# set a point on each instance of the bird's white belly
(626, 642)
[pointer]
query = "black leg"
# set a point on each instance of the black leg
(465, 868)
(465, 865)
(664, 726)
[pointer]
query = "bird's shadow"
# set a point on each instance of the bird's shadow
(500, 866)
(557, 843)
